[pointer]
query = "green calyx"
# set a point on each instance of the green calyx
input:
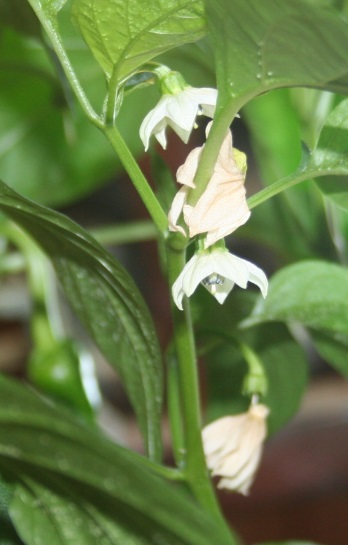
(169, 81)
(255, 382)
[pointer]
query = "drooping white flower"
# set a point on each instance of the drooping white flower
(178, 111)
(218, 271)
(233, 447)
(222, 208)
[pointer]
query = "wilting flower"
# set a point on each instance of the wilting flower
(222, 207)
(233, 447)
(179, 111)
(218, 271)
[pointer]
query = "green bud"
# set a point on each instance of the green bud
(255, 384)
(240, 159)
(56, 372)
(172, 83)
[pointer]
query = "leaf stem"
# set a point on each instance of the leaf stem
(195, 468)
(290, 181)
(137, 231)
(140, 182)
(222, 120)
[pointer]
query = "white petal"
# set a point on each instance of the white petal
(154, 122)
(204, 97)
(178, 291)
(176, 209)
(231, 266)
(181, 114)
(161, 137)
(243, 272)
(258, 277)
(187, 171)
(233, 447)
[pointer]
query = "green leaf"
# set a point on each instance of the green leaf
(335, 188)
(333, 348)
(125, 35)
(81, 479)
(312, 293)
(331, 154)
(257, 47)
(106, 300)
(8, 535)
(331, 150)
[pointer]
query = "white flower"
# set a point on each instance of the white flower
(222, 208)
(218, 271)
(233, 447)
(179, 111)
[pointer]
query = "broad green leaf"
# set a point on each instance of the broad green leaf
(335, 188)
(49, 151)
(106, 300)
(125, 35)
(63, 518)
(257, 47)
(333, 348)
(331, 154)
(110, 488)
(331, 150)
(8, 535)
(312, 293)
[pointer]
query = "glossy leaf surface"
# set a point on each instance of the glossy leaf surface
(106, 300)
(78, 481)
(125, 35)
(257, 46)
(313, 293)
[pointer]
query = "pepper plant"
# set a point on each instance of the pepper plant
(79, 80)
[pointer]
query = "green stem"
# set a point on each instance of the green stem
(137, 231)
(141, 184)
(290, 181)
(195, 466)
(175, 409)
(208, 158)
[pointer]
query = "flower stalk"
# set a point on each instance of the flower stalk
(139, 181)
(194, 465)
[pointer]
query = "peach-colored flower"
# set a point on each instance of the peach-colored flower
(222, 208)
(233, 447)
